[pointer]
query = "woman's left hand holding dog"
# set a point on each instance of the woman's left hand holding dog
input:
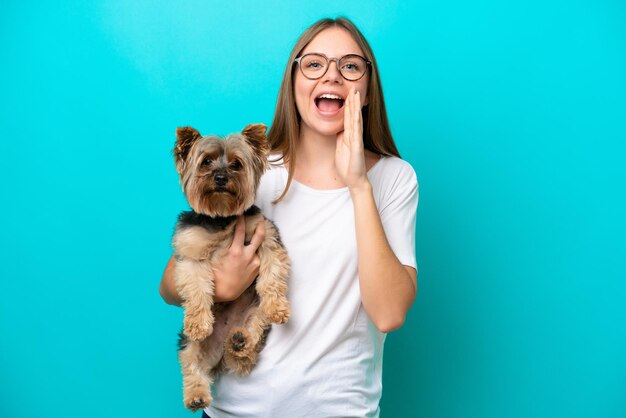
(233, 275)
(240, 266)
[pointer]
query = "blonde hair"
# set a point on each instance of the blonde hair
(285, 129)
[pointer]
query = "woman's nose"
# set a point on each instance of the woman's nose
(333, 73)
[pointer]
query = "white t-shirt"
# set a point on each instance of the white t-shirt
(327, 360)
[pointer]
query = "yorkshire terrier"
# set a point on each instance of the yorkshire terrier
(219, 178)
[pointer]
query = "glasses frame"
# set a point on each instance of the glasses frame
(328, 61)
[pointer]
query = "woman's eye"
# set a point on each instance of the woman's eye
(351, 66)
(314, 65)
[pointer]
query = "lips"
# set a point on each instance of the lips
(329, 103)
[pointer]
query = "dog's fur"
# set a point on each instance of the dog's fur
(219, 178)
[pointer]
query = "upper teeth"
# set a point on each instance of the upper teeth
(330, 96)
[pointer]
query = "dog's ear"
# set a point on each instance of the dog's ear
(185, 138)
(255, 135)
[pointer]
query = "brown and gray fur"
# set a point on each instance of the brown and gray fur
(219, 178)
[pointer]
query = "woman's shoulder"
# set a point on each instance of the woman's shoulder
(273, 180)
(394, 183)
(275, 169)
(390, 169)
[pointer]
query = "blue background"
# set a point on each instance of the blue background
(512, 113)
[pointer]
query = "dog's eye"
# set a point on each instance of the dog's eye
(235, 165)
(207, 162)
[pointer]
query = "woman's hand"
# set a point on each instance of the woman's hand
(234, 274)
(238, 269)
(349, 154)
(387, 287)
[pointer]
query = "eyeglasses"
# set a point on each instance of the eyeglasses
(352, 67)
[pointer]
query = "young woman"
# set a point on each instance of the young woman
(345, 205)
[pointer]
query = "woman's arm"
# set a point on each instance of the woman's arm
(168, 285)
(388, 288)
(233, 275)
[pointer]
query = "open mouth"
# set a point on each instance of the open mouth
(329, 103)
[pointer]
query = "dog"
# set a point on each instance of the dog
(219, 178)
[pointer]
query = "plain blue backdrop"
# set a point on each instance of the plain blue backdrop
(512, 114)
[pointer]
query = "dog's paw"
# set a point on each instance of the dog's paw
(279, 315)
(276, 312)
(197, 331)
(237, 342)
(240, 355)
(198, 402)
(196, 388)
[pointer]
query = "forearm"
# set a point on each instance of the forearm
(170, 294)
(388, 288)
(167, 288)
(233, 275)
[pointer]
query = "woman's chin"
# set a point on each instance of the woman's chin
(323, 128)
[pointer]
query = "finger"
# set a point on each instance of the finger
(255, 264)
(354, 106)
(240, 231)
(357, 127)
(359, 122)
(356, 110)
(352, 103)
(347, 115)
(257, 237)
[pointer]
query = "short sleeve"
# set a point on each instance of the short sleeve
(397, 204)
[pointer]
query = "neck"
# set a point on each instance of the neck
(252, 210)
(315, 161)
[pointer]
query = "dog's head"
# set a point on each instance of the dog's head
(220, 176)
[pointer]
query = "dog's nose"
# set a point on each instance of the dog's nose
(220, 179)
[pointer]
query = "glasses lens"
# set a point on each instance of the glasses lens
(313, 65)
(352, 67)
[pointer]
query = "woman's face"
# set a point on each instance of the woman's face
(325, 115)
